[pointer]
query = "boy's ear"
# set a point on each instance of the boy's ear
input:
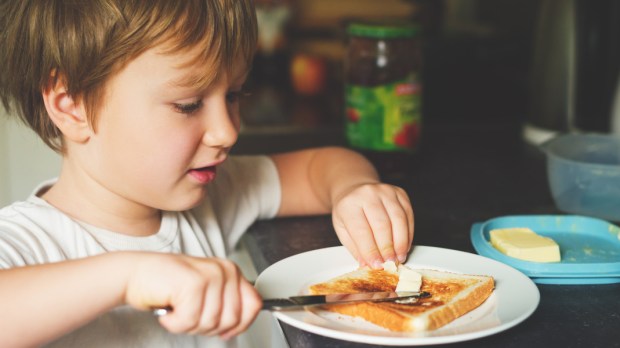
(67, 114)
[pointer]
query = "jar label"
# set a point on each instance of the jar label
(385, 117)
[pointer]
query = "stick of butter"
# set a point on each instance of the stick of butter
(525, 244)
(408, 279)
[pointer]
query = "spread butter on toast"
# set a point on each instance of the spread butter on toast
(452, 295)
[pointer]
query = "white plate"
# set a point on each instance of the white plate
(515, 297)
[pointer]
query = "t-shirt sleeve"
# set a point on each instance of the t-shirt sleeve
(19, 245)
(246, 189)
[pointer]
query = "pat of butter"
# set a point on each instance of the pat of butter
(406, 273)
(525, 244)
(408, 279)
(390, 266)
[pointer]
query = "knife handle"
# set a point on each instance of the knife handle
(160, 312)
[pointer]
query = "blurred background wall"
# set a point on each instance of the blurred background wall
(476, 53)
(25, 161)
(477, 57)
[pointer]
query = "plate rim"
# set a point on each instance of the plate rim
(511, 275)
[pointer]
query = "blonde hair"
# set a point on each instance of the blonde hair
(85, 43)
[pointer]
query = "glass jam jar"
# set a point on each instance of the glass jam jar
(383, 87)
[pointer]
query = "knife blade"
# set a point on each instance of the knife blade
(297, 302)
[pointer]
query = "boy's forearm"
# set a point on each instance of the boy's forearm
(312, 180)
(41, 303)
(336, 171)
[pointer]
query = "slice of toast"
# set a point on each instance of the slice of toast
(452, 295)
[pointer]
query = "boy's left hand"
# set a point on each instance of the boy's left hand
(375, 223)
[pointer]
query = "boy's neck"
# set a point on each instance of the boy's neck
(128, 219)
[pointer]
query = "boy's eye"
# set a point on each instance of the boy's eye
(188, 108)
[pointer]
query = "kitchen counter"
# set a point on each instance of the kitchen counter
(463, 173)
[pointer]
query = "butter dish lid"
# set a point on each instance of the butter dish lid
(589, 248)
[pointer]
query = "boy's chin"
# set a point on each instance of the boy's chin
(185, 203)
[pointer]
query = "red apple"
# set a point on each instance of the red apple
(308, 74)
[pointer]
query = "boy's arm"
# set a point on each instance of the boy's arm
(41, 303)
(373, 220)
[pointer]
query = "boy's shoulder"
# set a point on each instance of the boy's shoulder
(33, 207)
(19, 208)
(30, 211)
(26, 234)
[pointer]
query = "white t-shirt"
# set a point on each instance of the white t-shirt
(246, 189)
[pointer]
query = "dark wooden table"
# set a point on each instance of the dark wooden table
(462, 174)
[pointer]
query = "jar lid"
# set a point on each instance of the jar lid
(382, 30)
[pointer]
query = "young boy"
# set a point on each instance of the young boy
(141, 100)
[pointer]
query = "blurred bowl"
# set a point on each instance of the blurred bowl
(584, 174)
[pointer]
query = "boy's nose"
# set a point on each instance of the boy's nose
(222, 129)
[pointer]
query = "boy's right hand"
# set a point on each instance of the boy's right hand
(209, 296)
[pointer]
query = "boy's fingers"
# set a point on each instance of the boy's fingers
(403, 198)
(213, 302)
(231, 310)
(347, 242)
(400, 229)
(186, 311)
(381, 231)
(251, 304)
(361, 235)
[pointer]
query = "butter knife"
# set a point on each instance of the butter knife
(298, 302)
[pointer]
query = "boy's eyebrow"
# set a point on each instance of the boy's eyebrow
(189, 80)
(192, 79)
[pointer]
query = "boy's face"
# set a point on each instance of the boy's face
(158, 143)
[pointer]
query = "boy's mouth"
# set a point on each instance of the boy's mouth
(203, 175)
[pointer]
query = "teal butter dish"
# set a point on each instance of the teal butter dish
(589, 248)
